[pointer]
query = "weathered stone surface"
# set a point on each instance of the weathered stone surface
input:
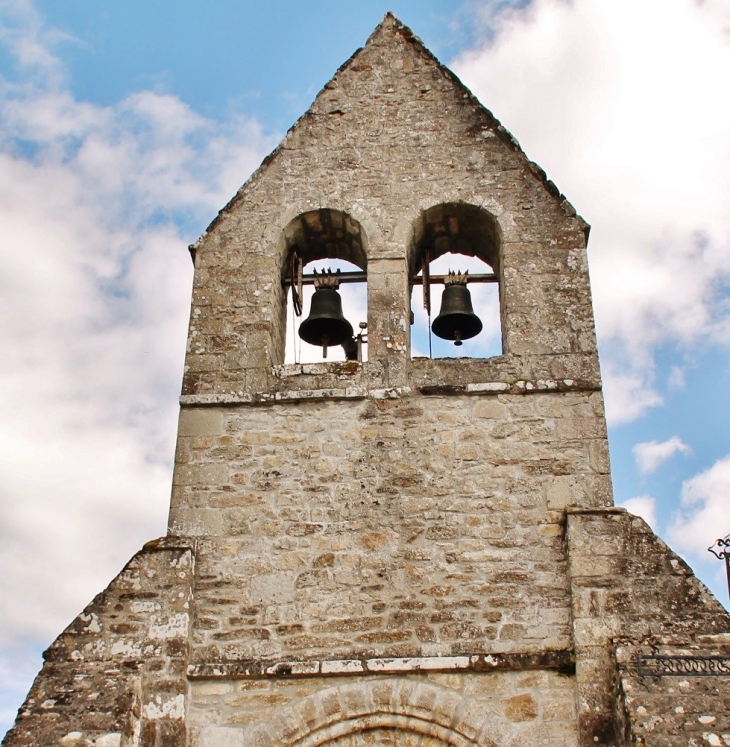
(398, 149)
(395, 551)
(119, 668)
(485, 709)
(674, 710)
(408, 516)
(630, 590)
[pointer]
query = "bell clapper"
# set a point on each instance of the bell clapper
(457, 338)
(325, 342)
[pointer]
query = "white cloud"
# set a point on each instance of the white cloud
(625, 104)
(705, 512)
(677, 378)
(644, 506)
(650, 455)
(97, 205)
(30, 41)
(628, 393)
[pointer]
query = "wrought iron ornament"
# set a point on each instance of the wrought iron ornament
(653, 665)
(723, 554)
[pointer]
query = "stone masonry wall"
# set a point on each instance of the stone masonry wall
(116, 676)
(675, 710)
(396, 507)
(629, 590)
(502, 709)
(417, 525)
(391, 136)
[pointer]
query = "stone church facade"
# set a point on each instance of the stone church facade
(401, 551)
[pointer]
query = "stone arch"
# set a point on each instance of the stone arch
(334, 716)
(321, 233)
(326, 233)
(457, 227)
(344, 732)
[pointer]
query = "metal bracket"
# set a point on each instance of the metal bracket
(295, 281)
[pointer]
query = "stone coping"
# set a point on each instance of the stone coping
(352, 392)
(512, 387)
(338, 368)
(600, 510)
(562, 660)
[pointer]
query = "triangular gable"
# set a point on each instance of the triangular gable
(397, 45)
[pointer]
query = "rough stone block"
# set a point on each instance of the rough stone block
(520, 708)
(200, 422)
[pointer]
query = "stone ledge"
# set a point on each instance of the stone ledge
(538, 386)
(294, 395)
(170, 542)
(515, 387)
(600, 510)
(563, 660)
(271, 398)
(335, 368)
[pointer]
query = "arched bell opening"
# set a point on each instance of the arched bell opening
(325, 278)
(455, 295)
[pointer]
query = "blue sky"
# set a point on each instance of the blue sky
(124, 127)
(266, 60)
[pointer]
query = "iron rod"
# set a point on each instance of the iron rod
(361, 277)
(487, 277)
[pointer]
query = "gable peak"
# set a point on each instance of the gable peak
(390, 26)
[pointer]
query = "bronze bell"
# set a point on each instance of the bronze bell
(456, 320)
(326, 324)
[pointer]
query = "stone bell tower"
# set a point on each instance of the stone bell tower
(401, 551)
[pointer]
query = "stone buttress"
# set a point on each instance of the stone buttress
(399, 551)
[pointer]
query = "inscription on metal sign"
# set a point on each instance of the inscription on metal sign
(676, 666)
